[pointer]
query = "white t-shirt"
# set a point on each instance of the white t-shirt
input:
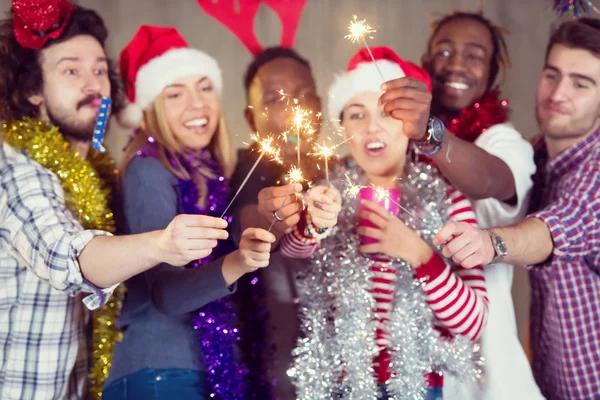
(508, 374)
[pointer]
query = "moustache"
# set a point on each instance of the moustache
(88, 100)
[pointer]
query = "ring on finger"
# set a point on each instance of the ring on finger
(277, 217)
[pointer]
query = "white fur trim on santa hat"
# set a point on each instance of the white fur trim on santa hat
(131, 116)
(163, 70)
(364, 78)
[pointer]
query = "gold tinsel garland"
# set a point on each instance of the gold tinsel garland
(87, 185)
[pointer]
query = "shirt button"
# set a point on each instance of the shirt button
(159, 378)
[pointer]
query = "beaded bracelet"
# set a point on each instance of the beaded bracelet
(301, 237)
(313, 231)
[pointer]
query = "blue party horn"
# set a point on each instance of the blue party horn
(100, 127)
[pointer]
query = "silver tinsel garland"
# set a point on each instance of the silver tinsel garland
(334, 356)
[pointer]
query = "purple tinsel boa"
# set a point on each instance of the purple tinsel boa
(215, 323)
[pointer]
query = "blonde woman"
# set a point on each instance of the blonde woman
(179, 162)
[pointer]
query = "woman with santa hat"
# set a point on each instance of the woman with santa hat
(178, 342)
(384, 314)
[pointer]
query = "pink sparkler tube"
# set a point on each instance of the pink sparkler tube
(370, 193)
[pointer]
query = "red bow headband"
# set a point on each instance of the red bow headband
(241, 21)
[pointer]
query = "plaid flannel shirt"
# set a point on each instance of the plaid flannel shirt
(43, 352)
(565, 312)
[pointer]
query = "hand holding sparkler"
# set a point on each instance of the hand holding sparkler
(271, 199)
(408, 100)
(291, 216)
(324, 205)
(254, 252)
(393, 237)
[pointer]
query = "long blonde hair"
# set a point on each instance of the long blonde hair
(155, 133)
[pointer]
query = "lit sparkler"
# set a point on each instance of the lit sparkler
(358, 31)
(300, 122)
(266, 147)
(322, 150)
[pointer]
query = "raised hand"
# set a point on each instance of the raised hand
(465, 244)
(255, 249)
(190, 237)
(324, 205)
(270, 200)
(408, 100)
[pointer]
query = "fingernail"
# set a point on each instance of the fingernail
(383, 86)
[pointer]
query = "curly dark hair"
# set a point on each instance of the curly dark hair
(500, 61)
(21, 71)
(267, 55)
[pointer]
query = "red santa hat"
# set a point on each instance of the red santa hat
(154, 59)
(362, 76)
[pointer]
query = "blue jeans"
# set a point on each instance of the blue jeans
(433, 393)
(157, 384)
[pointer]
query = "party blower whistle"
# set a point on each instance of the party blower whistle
(100, 127)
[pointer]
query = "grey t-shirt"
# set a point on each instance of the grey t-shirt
(156, 315)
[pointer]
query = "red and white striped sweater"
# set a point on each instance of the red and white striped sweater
(457, 296)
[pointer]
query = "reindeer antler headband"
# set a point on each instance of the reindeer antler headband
(241, 21)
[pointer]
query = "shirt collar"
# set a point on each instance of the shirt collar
(574, 155)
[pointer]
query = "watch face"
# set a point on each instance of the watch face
(499, 246)
(437, 129)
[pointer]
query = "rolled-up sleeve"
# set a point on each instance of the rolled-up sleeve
(42, 231)
(573, 223)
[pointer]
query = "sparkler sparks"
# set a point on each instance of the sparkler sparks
(266, 147)
(358, 31)
(353, 188)
(322, 150)
(294, 175)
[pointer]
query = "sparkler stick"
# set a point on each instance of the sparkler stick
(326, 152)
(382, 193)
(266, 147)
(358, 30)
(299, 121)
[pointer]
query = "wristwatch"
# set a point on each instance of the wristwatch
(432, 143)
(499, 247)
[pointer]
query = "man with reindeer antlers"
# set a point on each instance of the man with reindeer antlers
(270, 322)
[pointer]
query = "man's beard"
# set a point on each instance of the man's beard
(69, 126)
